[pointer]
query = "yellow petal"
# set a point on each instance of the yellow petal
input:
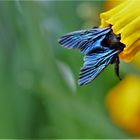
(125, 20)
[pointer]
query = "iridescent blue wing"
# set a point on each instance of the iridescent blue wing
(85, 40)
(95, 63)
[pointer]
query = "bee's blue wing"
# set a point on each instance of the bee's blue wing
(95, 63)
(85, 40)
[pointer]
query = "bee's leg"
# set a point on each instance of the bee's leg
(95, 27)
(116, 67)
(113, 61)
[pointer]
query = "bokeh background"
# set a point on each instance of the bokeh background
(39, 94)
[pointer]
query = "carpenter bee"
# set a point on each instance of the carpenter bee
(101, 48)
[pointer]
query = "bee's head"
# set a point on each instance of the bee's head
(113, 41)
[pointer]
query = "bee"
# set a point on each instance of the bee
(99, 45)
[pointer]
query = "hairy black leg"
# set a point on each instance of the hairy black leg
(94, 27)
(116, 67)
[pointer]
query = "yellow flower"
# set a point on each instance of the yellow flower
(123, 103)
(125, 20)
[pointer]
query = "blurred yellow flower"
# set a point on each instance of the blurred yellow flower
(125, 20)
(123, 103)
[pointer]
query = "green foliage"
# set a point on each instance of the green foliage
(39, 96)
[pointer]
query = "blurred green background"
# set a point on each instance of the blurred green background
(39, 94)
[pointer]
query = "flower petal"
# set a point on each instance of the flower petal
(125, 20)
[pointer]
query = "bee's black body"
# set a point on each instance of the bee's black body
(101, 48)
